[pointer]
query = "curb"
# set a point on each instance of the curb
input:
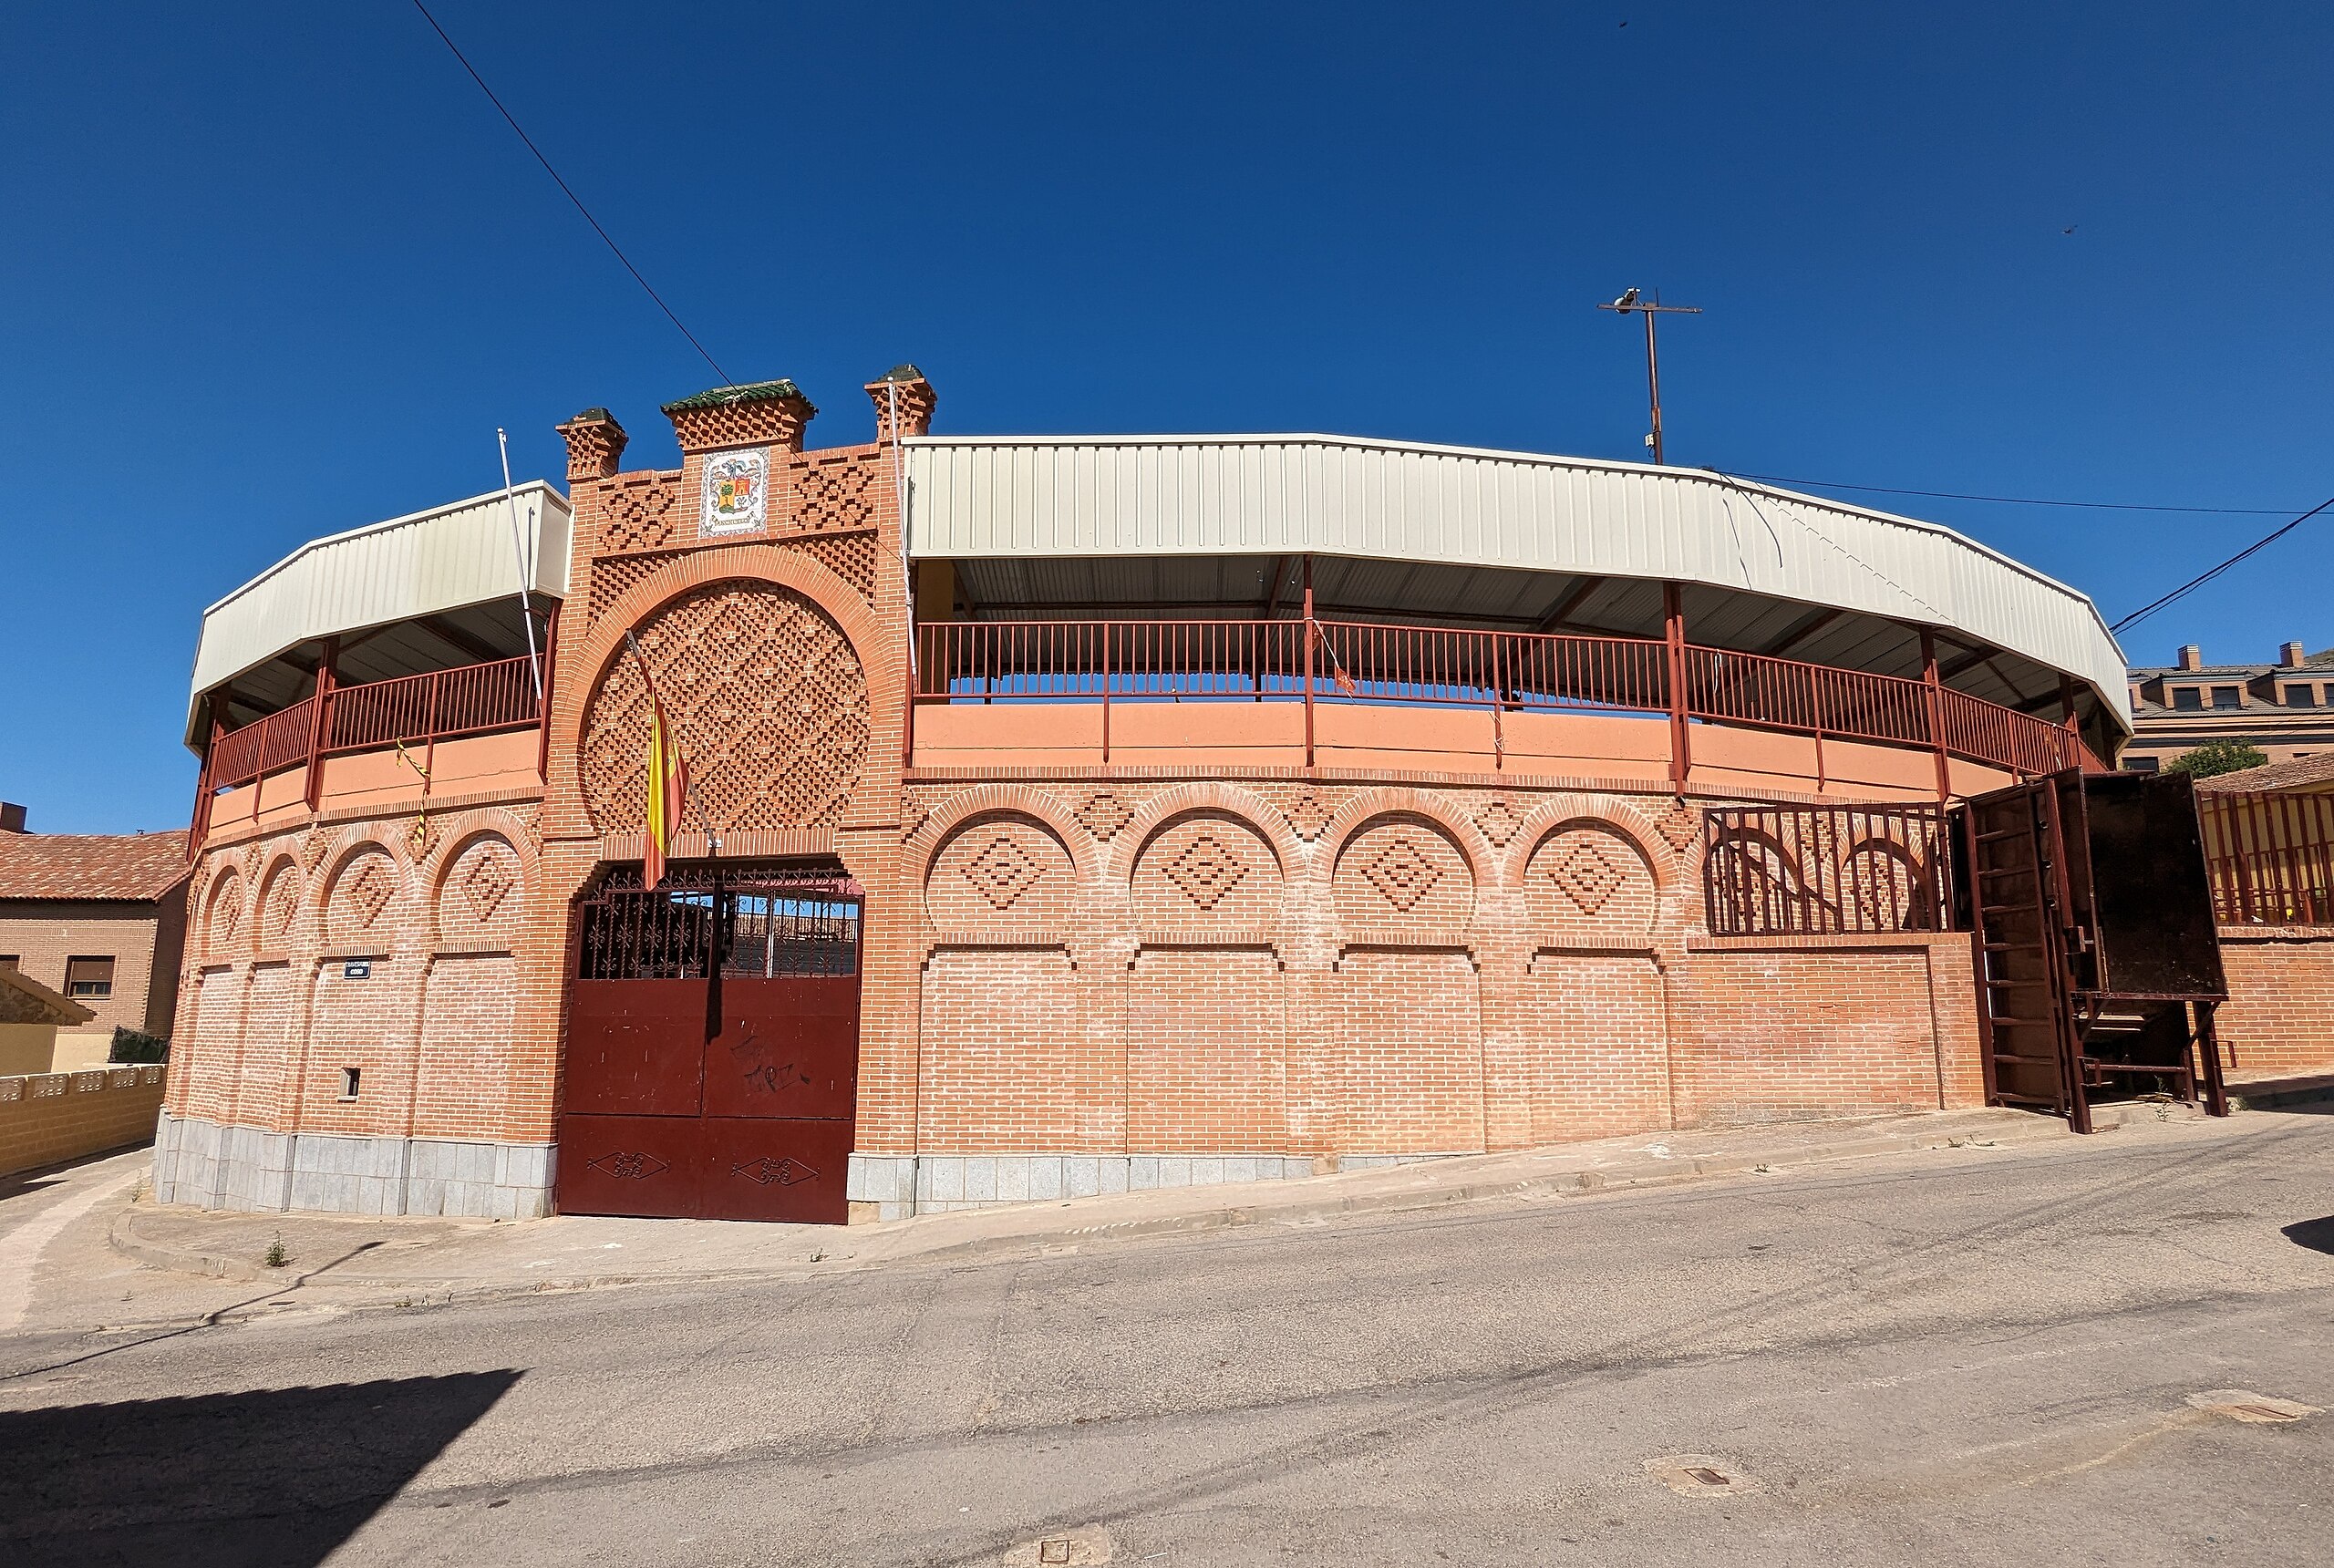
(1683, 1170)
(2266, 1099)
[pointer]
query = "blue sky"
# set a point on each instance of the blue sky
(273, 271)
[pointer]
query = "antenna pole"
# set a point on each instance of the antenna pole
(1630, 303)
(526, 583)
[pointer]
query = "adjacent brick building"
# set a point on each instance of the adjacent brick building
(1185, 809)
(100, 919)
(2285, 708)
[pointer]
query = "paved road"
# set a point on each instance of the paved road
(1978, 1356)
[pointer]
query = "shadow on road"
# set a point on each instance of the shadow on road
(2318, 1235)
(275, 1478)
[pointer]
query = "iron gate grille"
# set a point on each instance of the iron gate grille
(764, 922)
(1826, 871)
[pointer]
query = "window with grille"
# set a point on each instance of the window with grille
(88, 977)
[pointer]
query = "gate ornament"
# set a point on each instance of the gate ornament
(783, 1171)
(630, 1166)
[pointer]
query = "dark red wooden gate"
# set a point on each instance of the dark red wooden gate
(713, 1046)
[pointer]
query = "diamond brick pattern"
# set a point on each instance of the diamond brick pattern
(1309, 815)
(1402, 874)
(1500, 821)
(834, 495)
(280, 907)
(770, 702)
(1681, 827)
(850, 556)
(1205, 870)
(1003, 872)
(226, 913)
(1103, 814)
(1587, 874)
(489, 872)
(366, 891)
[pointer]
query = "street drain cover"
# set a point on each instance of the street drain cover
(2244, 1404)
(1087, 1544)
(1700, 1475)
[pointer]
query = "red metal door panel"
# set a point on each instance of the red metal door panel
(761, 1168)
(646, 1165)
(788, 1048)
(635, 1047)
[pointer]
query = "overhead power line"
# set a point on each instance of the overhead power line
(570, 193)
(2144, 610)
(2025, 500)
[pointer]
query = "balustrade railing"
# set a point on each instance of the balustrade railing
(1180, 661)
(443, 705)
(1827, 871)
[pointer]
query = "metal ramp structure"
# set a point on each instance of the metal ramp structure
(2098, 962)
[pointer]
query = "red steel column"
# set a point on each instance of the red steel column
(319, 736)
(1312, 634)
(1673, 633)
(1934, 705)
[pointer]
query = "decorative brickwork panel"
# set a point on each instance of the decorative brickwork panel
(1590, 1056)
(829, 495)
(1205, 1051)
(614, 576)
(1589, 884)
(1207, 870)
(1001, 870)
(1400, 870)
(770, 700)
(1103, 814)
(223, 923)
(1499, 821)
(367, 884)
(466, 1017)
(479, 900)
(1005, 1068)
(640, 512)
(850, 556)
(1407, 1052)
(1308, 811)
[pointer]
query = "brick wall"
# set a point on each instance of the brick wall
(2278, 1021)
(49, 1117)
(45, 934)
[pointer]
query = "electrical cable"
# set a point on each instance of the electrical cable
(2025, 500)
(570, 193)
(2144, 610)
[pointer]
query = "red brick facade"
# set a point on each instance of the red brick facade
(1097, 964)
(2278, 1021)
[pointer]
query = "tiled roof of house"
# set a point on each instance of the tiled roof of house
(92, 865)
(2316, 769)
(28, 1001)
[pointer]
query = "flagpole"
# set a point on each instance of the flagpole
(519, 552)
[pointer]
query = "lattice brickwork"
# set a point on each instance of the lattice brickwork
(850, 556)
(769, 701)
(766, 422)
(640, 512)
(834, 494)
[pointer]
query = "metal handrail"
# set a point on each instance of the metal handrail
(441, 704)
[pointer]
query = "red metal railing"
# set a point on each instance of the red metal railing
(443, 705)
(2270, 855)
(1000, 660)
(1826, 871)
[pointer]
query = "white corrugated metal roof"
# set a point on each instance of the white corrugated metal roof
(424, 564)
(1340, 495)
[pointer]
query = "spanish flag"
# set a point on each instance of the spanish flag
(668, 783)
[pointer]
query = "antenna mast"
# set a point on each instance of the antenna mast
(1631, 302)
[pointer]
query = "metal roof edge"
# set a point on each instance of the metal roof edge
(1551, 459)
(544, 487)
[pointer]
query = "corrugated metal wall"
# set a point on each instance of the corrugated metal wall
(1267, 494)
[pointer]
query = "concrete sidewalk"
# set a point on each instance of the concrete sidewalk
(420, 1261)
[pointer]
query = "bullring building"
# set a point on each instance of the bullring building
(1075, 814)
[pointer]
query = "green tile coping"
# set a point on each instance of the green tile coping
(726, 396)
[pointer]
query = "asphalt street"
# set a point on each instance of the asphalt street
(2073, 1353)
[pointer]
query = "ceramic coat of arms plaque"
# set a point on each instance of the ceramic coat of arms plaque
(737, 492)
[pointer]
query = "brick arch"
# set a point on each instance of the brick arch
(503, 826)
(1006, 873)
(225, 898)
(923, 846)
(1360, 812)
(755, 563)
(396, 934)
(1622, 818)
(271, 934)
(1158, 814)
(775, 704)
